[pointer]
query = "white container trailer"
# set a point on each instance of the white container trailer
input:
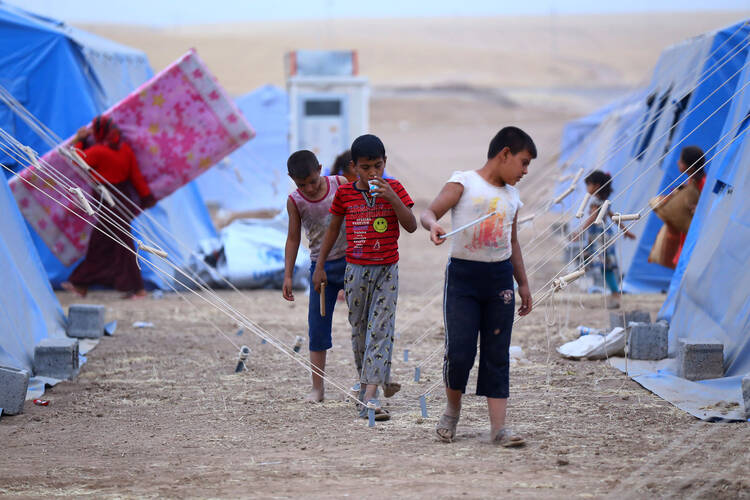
(329, 104)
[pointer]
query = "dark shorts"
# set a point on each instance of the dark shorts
(478, 304)
(319, 327)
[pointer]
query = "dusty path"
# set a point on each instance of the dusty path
(160, 413)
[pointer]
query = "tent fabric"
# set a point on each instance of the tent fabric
(29, 310)
(704, 117)
(254, 176)
(651, 128)
(97, 73)
(595, 141)
(709, 296)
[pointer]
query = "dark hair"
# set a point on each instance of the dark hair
(513, 138)
(301, 164)
(106, 132)
(367, 146)
(604, 180)
(341, 163)
(694, 160)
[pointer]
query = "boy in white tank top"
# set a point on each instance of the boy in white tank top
(309, 207)
(478, 296)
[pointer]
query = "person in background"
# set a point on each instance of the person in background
(110, 259)
(342, 166)
(599, 185)
(691, 163)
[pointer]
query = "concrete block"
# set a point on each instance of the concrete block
(746, 394)
(57, 358)
(13, 386)
(85, 321)
(637, 316)
(700, 361)
(647, 340)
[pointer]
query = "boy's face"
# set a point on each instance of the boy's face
(513, 166)
(369, 168)
(310, 185)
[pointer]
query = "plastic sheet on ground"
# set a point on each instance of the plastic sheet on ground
(249, 253)
(595, 346)
(38, 384)
(715, 400)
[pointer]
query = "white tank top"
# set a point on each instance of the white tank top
(488, 241)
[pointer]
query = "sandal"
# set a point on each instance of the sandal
(446, 428)
(381, 414)
(391, 388)
(507, 439)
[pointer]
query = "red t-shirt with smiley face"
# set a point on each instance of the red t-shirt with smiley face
(372, 227)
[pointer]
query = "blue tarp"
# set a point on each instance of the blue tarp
(29, 310)
(65, 77)
(254, 177)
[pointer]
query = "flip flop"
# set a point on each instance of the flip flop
(507, 439)
(446, 428)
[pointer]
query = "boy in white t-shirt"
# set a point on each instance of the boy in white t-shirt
(478, 298)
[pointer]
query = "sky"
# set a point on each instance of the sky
(174, 12)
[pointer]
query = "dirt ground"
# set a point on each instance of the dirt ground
(159, 412)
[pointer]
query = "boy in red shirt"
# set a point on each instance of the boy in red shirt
(373, 208)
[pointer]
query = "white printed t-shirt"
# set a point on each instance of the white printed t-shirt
(488, 241)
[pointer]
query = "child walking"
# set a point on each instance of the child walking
(309, 207)
(373, 208)
(599, 185)
(478, 298)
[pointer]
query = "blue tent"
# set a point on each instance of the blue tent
(65, 77)
(595, 141)
(684, 104)
(709, 296)
(29, 310)
(254, 176)
(719, 58)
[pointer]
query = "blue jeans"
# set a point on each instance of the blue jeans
(319, 327)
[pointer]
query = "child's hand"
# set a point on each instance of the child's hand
(318, 277)
(525, 293)
(286, 289)
(384, 189)
(435, 232)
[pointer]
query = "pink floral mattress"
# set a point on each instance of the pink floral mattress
(179, 124)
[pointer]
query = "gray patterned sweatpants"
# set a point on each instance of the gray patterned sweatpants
(371, 293)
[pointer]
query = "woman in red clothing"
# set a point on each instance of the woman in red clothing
(110, 260)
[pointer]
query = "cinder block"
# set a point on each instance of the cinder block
(57, 358)
(13, 386)
(700, 361)
(746, 394)
(85, 321)
(637, 316)
(648, 340)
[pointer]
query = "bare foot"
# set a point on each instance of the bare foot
(70, 287)
(315, 396)
(135, 295)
